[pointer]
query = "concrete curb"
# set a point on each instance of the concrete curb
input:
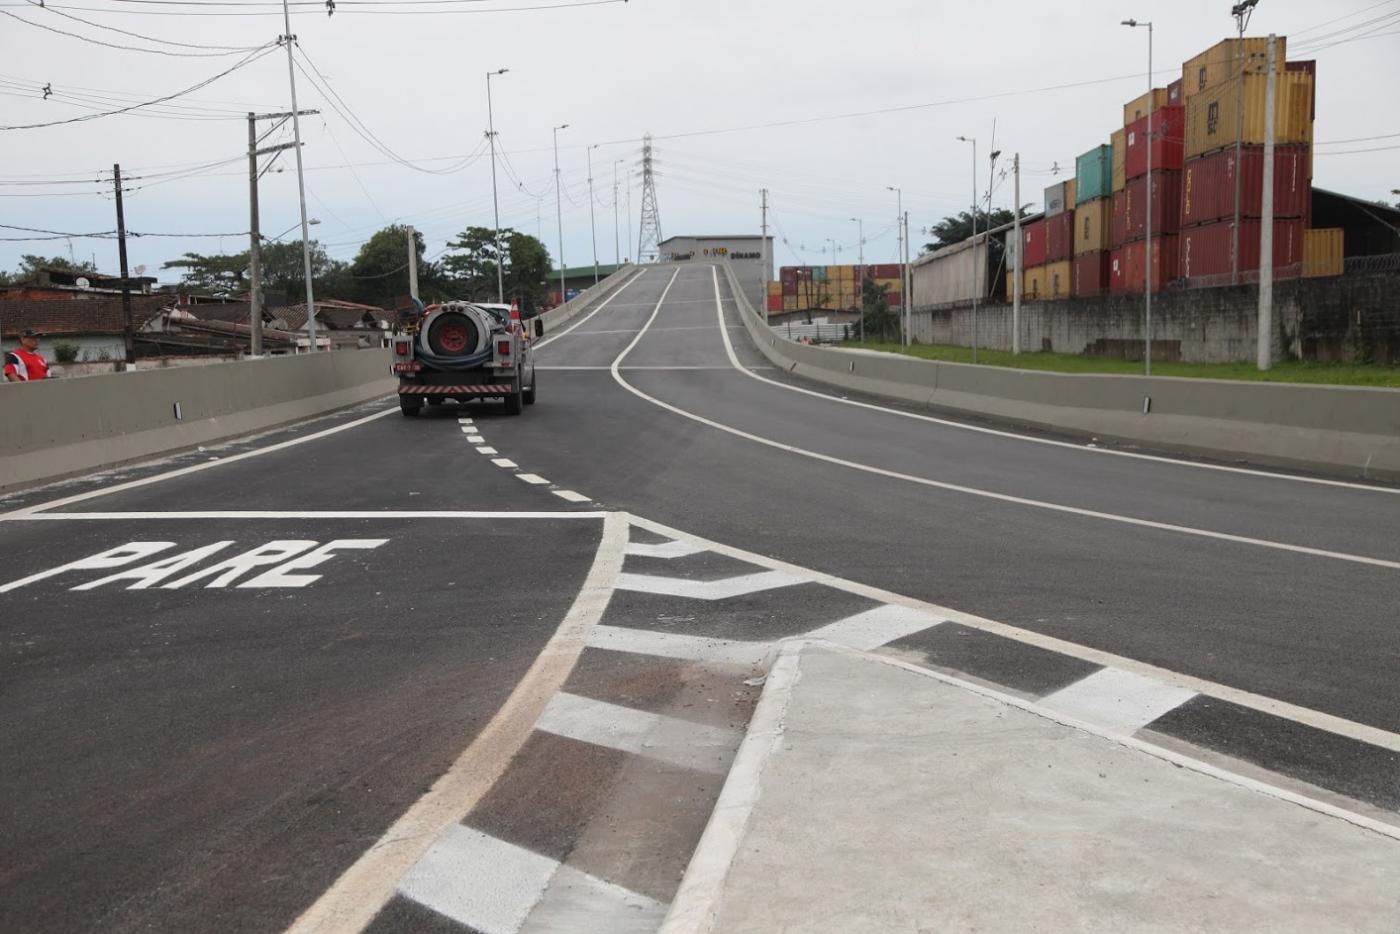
(696, 905)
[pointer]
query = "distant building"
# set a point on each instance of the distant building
(576, 279)
(745, 253)
(57, 284)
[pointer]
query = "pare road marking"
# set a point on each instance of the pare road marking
(276, 562)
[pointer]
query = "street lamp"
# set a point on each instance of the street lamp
(495, 199)
(592, 220)
(975, 290)
(860, 264)
(1147, 251)
(559, 211)
(311, 223)
(902, 227)
(617, 243)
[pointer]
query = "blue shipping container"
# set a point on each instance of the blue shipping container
(1094, 174)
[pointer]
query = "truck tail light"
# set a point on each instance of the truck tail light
(503, 348)
(401, 348)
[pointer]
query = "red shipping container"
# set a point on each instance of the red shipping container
(1059, 237)
(1117, 282)
(1208, 185)
(886, 271)
(1117, 226)
(1166, 206)
(1205, 251)
(1090, 274)
(775, 303)
(1033, 238)
(1165, 265)
(1168, 142)
(893, 299)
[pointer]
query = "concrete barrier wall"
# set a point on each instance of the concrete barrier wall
(1342, 430)
(556, 318)
(65, 426)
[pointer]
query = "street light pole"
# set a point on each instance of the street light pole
(903, 299)
(495, 198)
(592, 221)
(1147, 251)
(288, 39)
(860, 265)
(559, 212)
(617, 243)
(975, 289)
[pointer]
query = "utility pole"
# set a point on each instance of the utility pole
(908, 284)
(289, 40)
(1016, 259)
(617, 236)
(127, 329)
(1266, 221)
(254, 244)
(495, 199)
(592, 220)
(1241, 12)
(763, 247)
(899, 234)
(559, 212)
(860, 266)
(413, 262)
(1147, 244)
(975, 289)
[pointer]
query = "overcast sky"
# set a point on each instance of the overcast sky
(615, 71)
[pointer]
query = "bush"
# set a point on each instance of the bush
(65, 351)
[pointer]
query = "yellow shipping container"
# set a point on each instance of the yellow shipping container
(1219, 64)
(1035, 287)
(1057, 280)
(1119, 139)
(1211, 119)
(789, 303)
(775, 288)
(848, 273)
(1323, 253)
(1136, 108)
(1091, 221)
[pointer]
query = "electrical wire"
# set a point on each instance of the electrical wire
(113, 45)
(318, 7)
(221, 49)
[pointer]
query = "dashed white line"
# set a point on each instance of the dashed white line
(505, 462)
(707, 590)
(656, 736)
(1120, 700)
(533, 478)
(475, 439)
(571, 496)
(487, 450)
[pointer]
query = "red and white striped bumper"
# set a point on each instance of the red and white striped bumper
(416, 390)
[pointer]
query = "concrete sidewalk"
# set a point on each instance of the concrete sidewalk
(872, 796)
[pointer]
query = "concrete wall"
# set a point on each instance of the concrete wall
(1343, 430)
(1344, 318)
(556, 318)
(65, 426)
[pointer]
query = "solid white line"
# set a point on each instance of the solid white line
(303, 514)
(478, 880)
(194, 468)
(987, 494)
(661, 368)
(1071, 445)
(532, 478)
(503, 462)
(571, 496)
(877, 627)
(1119, 700)
(486, 449)
(663, 549)
(1269, 705)
(357, 896)
(620, 289)
(678, 646)
(707, 590)
(684, 743)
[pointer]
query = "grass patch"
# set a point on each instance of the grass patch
(1290, 371)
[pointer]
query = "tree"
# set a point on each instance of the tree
(958, 228)
(879, 321)
(471, 268)
(30, 264)
(283, 269)
(379, 272)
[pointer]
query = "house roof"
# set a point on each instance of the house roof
(330, 312)
(79, 316)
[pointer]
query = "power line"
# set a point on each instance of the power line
(391, 9)
(221, 49)
(113, 45)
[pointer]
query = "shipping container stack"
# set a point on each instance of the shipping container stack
(1048, 246)
(1215, 83)
(1150, 120)
(830, 288)
(1092, 213)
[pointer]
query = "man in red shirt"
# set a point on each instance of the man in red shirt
(25, 363)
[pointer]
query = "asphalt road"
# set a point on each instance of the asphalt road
(205, 757)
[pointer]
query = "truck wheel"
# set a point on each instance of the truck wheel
(410, 406)
(529, 394)
(513, 401)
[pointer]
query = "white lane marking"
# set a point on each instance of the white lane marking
(503, 462)
(707, 590)
(656, 736)
(620, 289)
(1082, 447)
(464, 421)
(877, 627)
(352, 902)
(469, 429)
(303, 514)
(639, 367)
(1119, 700)
(532, 478)
(475, 439)
(487, 449)
(1270, 705)
(577, 901)
(571, 496)
(985, 494)
(678, 646)
(478, 880)
(698, 327)
(663, 549)
(193, 468)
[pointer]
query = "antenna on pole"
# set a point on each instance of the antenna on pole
(649, 232)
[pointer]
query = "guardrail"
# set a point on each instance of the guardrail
(57, 427)
(1345, 430)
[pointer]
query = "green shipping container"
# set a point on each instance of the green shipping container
(1094, 174)
(818, 273)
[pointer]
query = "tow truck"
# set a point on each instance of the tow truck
(461, 351)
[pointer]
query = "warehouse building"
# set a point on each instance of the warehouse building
(746, 254)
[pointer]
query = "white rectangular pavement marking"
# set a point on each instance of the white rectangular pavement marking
(479, 881)
(707, 590)
(487, 450)
(663, 549)
(877, 627)
(679, 742)
(475, 439)
(678, 646)
(503, 462)
(1121, 700)
(571, 496)
(534, 478)
(576, 901)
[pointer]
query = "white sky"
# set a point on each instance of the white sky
(615, 72)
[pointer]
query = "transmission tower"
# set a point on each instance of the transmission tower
(649, 236)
